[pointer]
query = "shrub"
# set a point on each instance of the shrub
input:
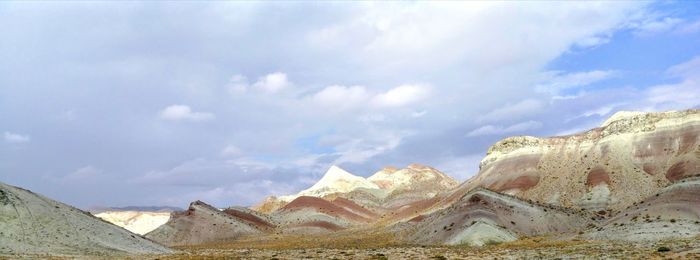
(663, 249)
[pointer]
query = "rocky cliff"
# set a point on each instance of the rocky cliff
(630, 157)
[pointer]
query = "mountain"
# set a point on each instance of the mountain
(634, 178)
(673, 212)
(139, 222)
(336, 180)
(606, 169)
(308, 214)
(415, 182)
(97, 210)
(202, 223)
(33, 224)
(482, 216)
(341, 200)
(386, 190)
(269, 204)
(392, 179)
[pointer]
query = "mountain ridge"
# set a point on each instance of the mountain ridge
(637, 177)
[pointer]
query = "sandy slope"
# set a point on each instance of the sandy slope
(202, 223)
(674, 212)
(483, 216)
(33, 224)
(139, 222)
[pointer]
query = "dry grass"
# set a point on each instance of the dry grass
(356, 239)
(540, 242)
(377, 245)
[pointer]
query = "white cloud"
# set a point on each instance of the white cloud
(402, 95)
(673, 97)
(681, 95)
(576, 129)
(536, 32)
(688, 28)
(86, 173)
(600, 111)
(474, 68)
(419, 113)
(238, 84)
(557, 81)
(359, 150)
(231, 151)
(270, 83)
(16, 138)
(689, 69)
(371, 118)
(341, 97)
(568, 97)
(655, 26)
(273, 82)
(67, 115)
(199, 171)
(461, 168)
(522, 108)
(497, 130)
(221, 181)
(184, 113)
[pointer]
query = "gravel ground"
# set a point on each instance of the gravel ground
(523, 249)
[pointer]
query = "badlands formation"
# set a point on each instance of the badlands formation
(631, 179)
(628, 188)
(135, 219)
(33, 224)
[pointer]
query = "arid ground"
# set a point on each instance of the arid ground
(383, 246)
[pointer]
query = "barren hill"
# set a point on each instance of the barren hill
(483, 216)
(674, 212)
(630, 157)
(33, 224)
(202, 223)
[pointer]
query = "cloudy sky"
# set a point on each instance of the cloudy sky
(115, 104)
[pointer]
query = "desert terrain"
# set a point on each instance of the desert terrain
(629, 189)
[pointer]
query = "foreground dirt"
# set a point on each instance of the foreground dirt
(316, 248)
(384, 247)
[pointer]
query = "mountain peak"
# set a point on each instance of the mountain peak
(619, 115)
(418, 166)
(389, 169)
(335, 172)
(335, 180)
(414, 174)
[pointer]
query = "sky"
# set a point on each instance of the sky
(118, 104)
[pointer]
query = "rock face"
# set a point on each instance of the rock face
(269, 205)
(386, 191)
(674, 212)
(392, 179)
(33, 224)
(630, 157)
(202, 223)
(414, 183)
(341, 200)
(139, 222)
(334, 182)
(482, 217)
(307, 214)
